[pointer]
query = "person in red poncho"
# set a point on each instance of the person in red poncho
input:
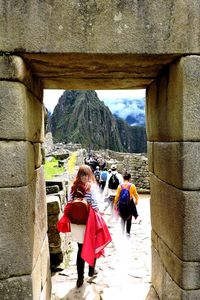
(93, 237)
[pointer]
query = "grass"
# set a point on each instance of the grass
(51, 169)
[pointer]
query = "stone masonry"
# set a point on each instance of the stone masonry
(24, 261)
(175, 180)
(100, 44)
(56, 200)
(136, 164)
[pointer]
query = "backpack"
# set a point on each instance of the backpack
(124, 200)
(79, 210)
(113, 182)
(104, 176)
(97, 176)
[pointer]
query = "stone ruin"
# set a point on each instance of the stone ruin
(149, 44)
(135, 163)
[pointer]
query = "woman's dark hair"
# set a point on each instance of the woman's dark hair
(126, 175)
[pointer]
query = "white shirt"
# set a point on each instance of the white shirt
(110, 192)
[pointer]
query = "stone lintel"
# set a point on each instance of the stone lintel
(101, 26)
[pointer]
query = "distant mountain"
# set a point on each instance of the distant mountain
(133, 138)
(80, 117)
(130, 110)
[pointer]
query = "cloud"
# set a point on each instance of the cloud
(124, 103)
(51, 98)
(118, 94)
(114, 99)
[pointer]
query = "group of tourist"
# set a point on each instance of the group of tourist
(93, 235)
(94, 161)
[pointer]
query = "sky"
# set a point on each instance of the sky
(112, 97)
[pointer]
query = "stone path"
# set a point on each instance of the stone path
(124, 272)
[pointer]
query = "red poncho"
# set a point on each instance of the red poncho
(96, 238)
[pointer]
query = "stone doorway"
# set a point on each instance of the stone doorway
(173, 128)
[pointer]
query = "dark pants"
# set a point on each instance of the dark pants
(80, 263)
(102, 185)
(126, 223)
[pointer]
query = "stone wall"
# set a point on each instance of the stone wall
(24, 260)
(173, 129)
(58, 242)
(148, 44)
(136, 164)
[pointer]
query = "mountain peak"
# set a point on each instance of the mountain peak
(81, 117)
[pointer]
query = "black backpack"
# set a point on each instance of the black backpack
(113, 182)
(97, 176)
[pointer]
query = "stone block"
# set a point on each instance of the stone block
(53, 205)
(17, 288)
(52, 228)
(178, 163)
(23, 224)
(17, 163)
(37, 155)
(152, 295)
(60, 183)
(37, 279)
(165, 286)
(45, 262)
(61, 196)
(46, 290)
(54, 241)
(13, 68)
(172, 102)
(17, 234)
(175, 215)
(185, 273)
(150, 156)
(129, 27)
(53, 189)
(39, 208)
(21, 114)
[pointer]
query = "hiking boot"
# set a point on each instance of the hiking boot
(92, 273)
(79, 282)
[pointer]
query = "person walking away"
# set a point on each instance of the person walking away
(125, 202)
(112, 183)
(103, 178)
(97, 175)
(90, 232)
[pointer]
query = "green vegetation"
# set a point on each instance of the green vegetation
(51, 169)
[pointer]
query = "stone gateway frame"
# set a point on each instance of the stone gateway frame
(101, 45)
